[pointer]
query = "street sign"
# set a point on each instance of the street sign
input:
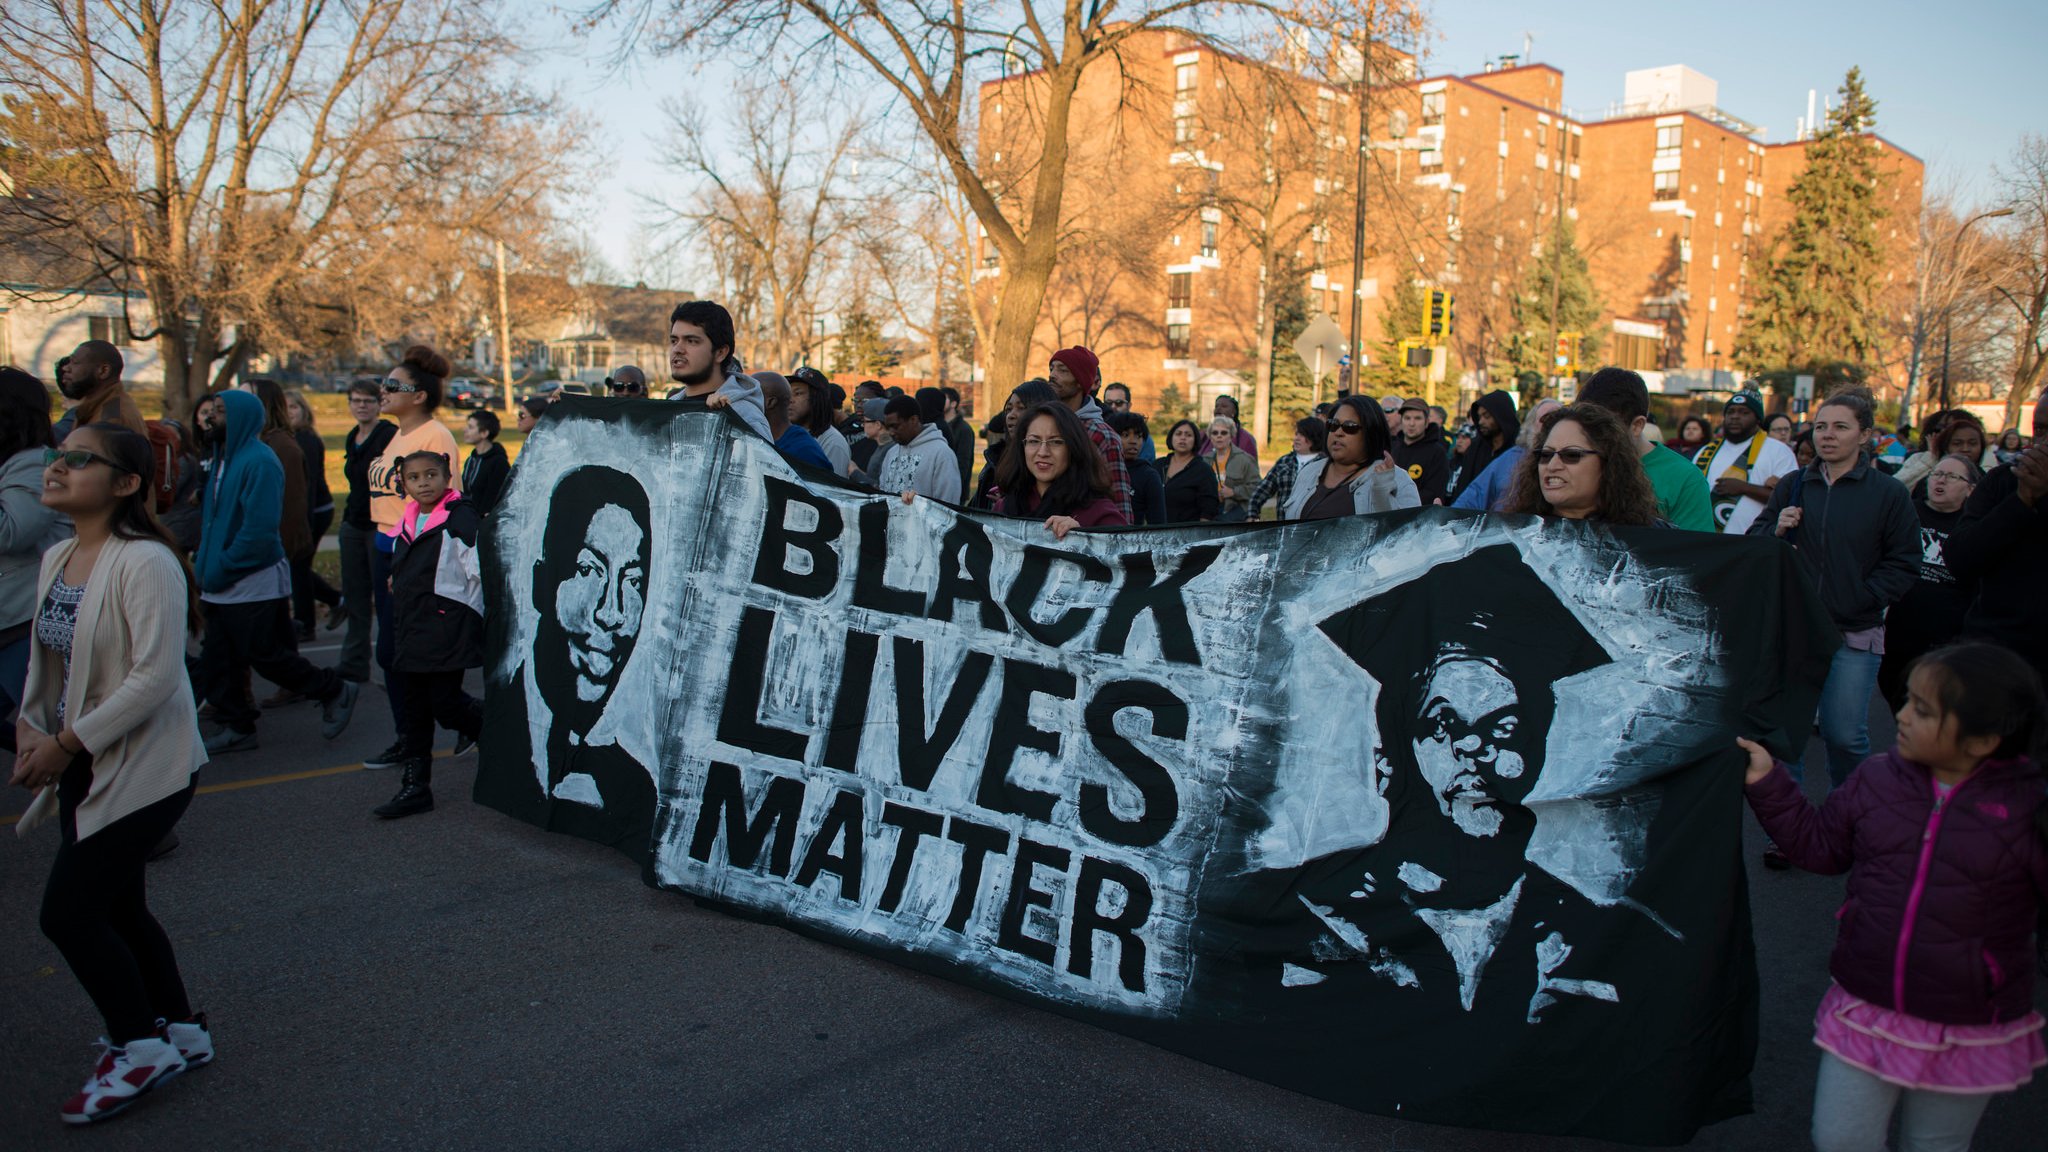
(1321, 345)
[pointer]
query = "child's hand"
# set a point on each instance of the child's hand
(1760, 762)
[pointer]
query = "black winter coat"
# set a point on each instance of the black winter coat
(437, 601)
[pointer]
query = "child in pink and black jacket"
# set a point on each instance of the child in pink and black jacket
(1932, 1002)
(437, 612)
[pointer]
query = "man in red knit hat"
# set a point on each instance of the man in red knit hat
(1074, 374)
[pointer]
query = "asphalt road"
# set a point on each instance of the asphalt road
(463, 981)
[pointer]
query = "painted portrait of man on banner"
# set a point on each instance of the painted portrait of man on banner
(589, 593)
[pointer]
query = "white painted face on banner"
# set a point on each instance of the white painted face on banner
(601, 603)
(1465, 741)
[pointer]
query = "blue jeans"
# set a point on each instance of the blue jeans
(1845, 712)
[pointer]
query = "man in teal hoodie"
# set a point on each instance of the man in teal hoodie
(245, 584)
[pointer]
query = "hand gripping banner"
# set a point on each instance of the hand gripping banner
(1431, 814)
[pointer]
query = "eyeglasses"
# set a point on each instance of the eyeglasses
(1116, 405)
(1958, 477)
(396, 385)
(75, 458)
(1349, 427)
(1572, 457)
(1046, 443)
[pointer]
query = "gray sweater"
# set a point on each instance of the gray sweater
(926, 466)
(1372, 490)
(27, 529)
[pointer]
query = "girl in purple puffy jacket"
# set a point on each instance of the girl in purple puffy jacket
(1933, 999)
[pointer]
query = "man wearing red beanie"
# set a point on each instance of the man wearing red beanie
(1074, 374)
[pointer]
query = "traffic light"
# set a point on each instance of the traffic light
(1566, 355)
(1438, 324)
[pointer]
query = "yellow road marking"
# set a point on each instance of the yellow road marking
(260, 781)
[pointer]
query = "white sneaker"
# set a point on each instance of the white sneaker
(194, 1041)
(121, 1078)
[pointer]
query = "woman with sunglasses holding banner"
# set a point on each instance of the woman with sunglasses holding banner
(412, 393)
(1585, 467)
(109, 739)
(1356, 475)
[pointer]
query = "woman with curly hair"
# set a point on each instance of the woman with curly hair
(1585, 467)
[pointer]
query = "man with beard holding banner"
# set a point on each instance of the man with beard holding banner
(589, 588)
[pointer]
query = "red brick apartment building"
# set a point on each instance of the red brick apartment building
(1194, 170)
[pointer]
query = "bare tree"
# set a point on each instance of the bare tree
(2021, 271)
(218, 156)
(930, 58)
(1952, 263)
(770, 211)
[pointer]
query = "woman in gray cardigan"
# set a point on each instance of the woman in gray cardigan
(109, 725)
(27, 528)
(1356, 475)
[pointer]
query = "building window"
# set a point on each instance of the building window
(1209, 238)
(1180, 289)
(105, 327)
(1184, 78)
(1457, 202)
(1183, 129)
(1432, 108)
(1669, 139)
(1665, 186)
(1177, 341)
(1542, 136)
(1432, 160)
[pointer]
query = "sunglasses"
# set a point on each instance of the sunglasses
(1351, 427)
(396, 385)
(75, 458)
(1572, 457)
(624, 387)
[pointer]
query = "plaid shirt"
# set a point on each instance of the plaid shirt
(1111, 446)
(1277, 484)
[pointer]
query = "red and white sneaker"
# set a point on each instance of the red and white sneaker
(121, 1078)
(193, 1039)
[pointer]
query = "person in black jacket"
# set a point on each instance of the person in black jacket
(365, 443)
(488, 467)
(307, 585)
(2002, 543)
(1862, 549)
(439, 635)
(1189, 481)
(1148, 491)
(1419, 448)
(1494, 428)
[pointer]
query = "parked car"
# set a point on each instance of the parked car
(465, 392)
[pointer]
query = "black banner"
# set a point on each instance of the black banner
(1431, 814)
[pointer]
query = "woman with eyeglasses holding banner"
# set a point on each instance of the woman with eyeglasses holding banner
(1356, 474)
(1585, 467)
(1052, 472)
(411, 394)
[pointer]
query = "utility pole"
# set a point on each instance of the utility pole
(504, 336)
(1556, 235)
(1362, 89)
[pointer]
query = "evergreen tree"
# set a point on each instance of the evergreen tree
(1400, 320)
(1293, 383)
(1817, 300)
(1557, 279)
(861, 349)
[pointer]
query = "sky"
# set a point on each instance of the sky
(1956, 83)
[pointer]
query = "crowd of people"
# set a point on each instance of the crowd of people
(127, 537)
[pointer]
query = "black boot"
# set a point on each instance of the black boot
(414, 795)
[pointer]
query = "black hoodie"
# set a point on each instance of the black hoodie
(1481, 453)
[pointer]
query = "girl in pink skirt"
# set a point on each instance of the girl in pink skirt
(1931, 1010)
